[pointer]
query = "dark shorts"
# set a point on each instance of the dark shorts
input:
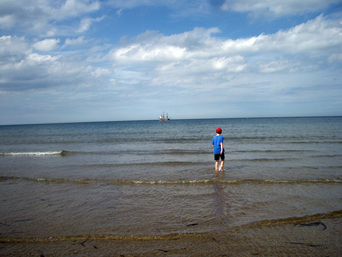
(217, 156)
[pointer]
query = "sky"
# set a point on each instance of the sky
(111, 60)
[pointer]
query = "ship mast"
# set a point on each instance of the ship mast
(162, 117)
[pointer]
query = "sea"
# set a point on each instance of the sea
(153, 179)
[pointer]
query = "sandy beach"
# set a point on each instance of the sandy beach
(306, 237)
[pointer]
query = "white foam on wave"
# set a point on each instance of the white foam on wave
(31, 153)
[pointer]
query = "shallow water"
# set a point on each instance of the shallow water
(156, 178)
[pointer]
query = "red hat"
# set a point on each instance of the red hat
(218, 130)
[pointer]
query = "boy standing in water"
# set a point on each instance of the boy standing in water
(217, 144)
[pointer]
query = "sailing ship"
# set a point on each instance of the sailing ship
(163, 118)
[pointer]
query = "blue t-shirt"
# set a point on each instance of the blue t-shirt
(217, 140)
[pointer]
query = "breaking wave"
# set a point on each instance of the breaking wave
(175, 182)
(31, 153)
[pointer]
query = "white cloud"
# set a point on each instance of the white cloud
(51, 33)
(193, 62)
(13, 49)
(134, 3)
(86, 23)
(22, 70)
(38, 58)
(192, 59)
(203, 66)
(40, 17)
(147, 53)
(7, 21)
(167, 48)
(75, 41)
(274, 8)
(99, 72)
(118, 12)
(320, 37)
(74, 8)
(278, 66)
(335, 57)
(47, 45)
(278, 8)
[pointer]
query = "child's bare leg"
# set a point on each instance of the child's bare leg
(216, 165)
(222, 164)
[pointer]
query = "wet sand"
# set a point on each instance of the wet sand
(303, 237)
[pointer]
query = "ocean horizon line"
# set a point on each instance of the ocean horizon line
(171, 119)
